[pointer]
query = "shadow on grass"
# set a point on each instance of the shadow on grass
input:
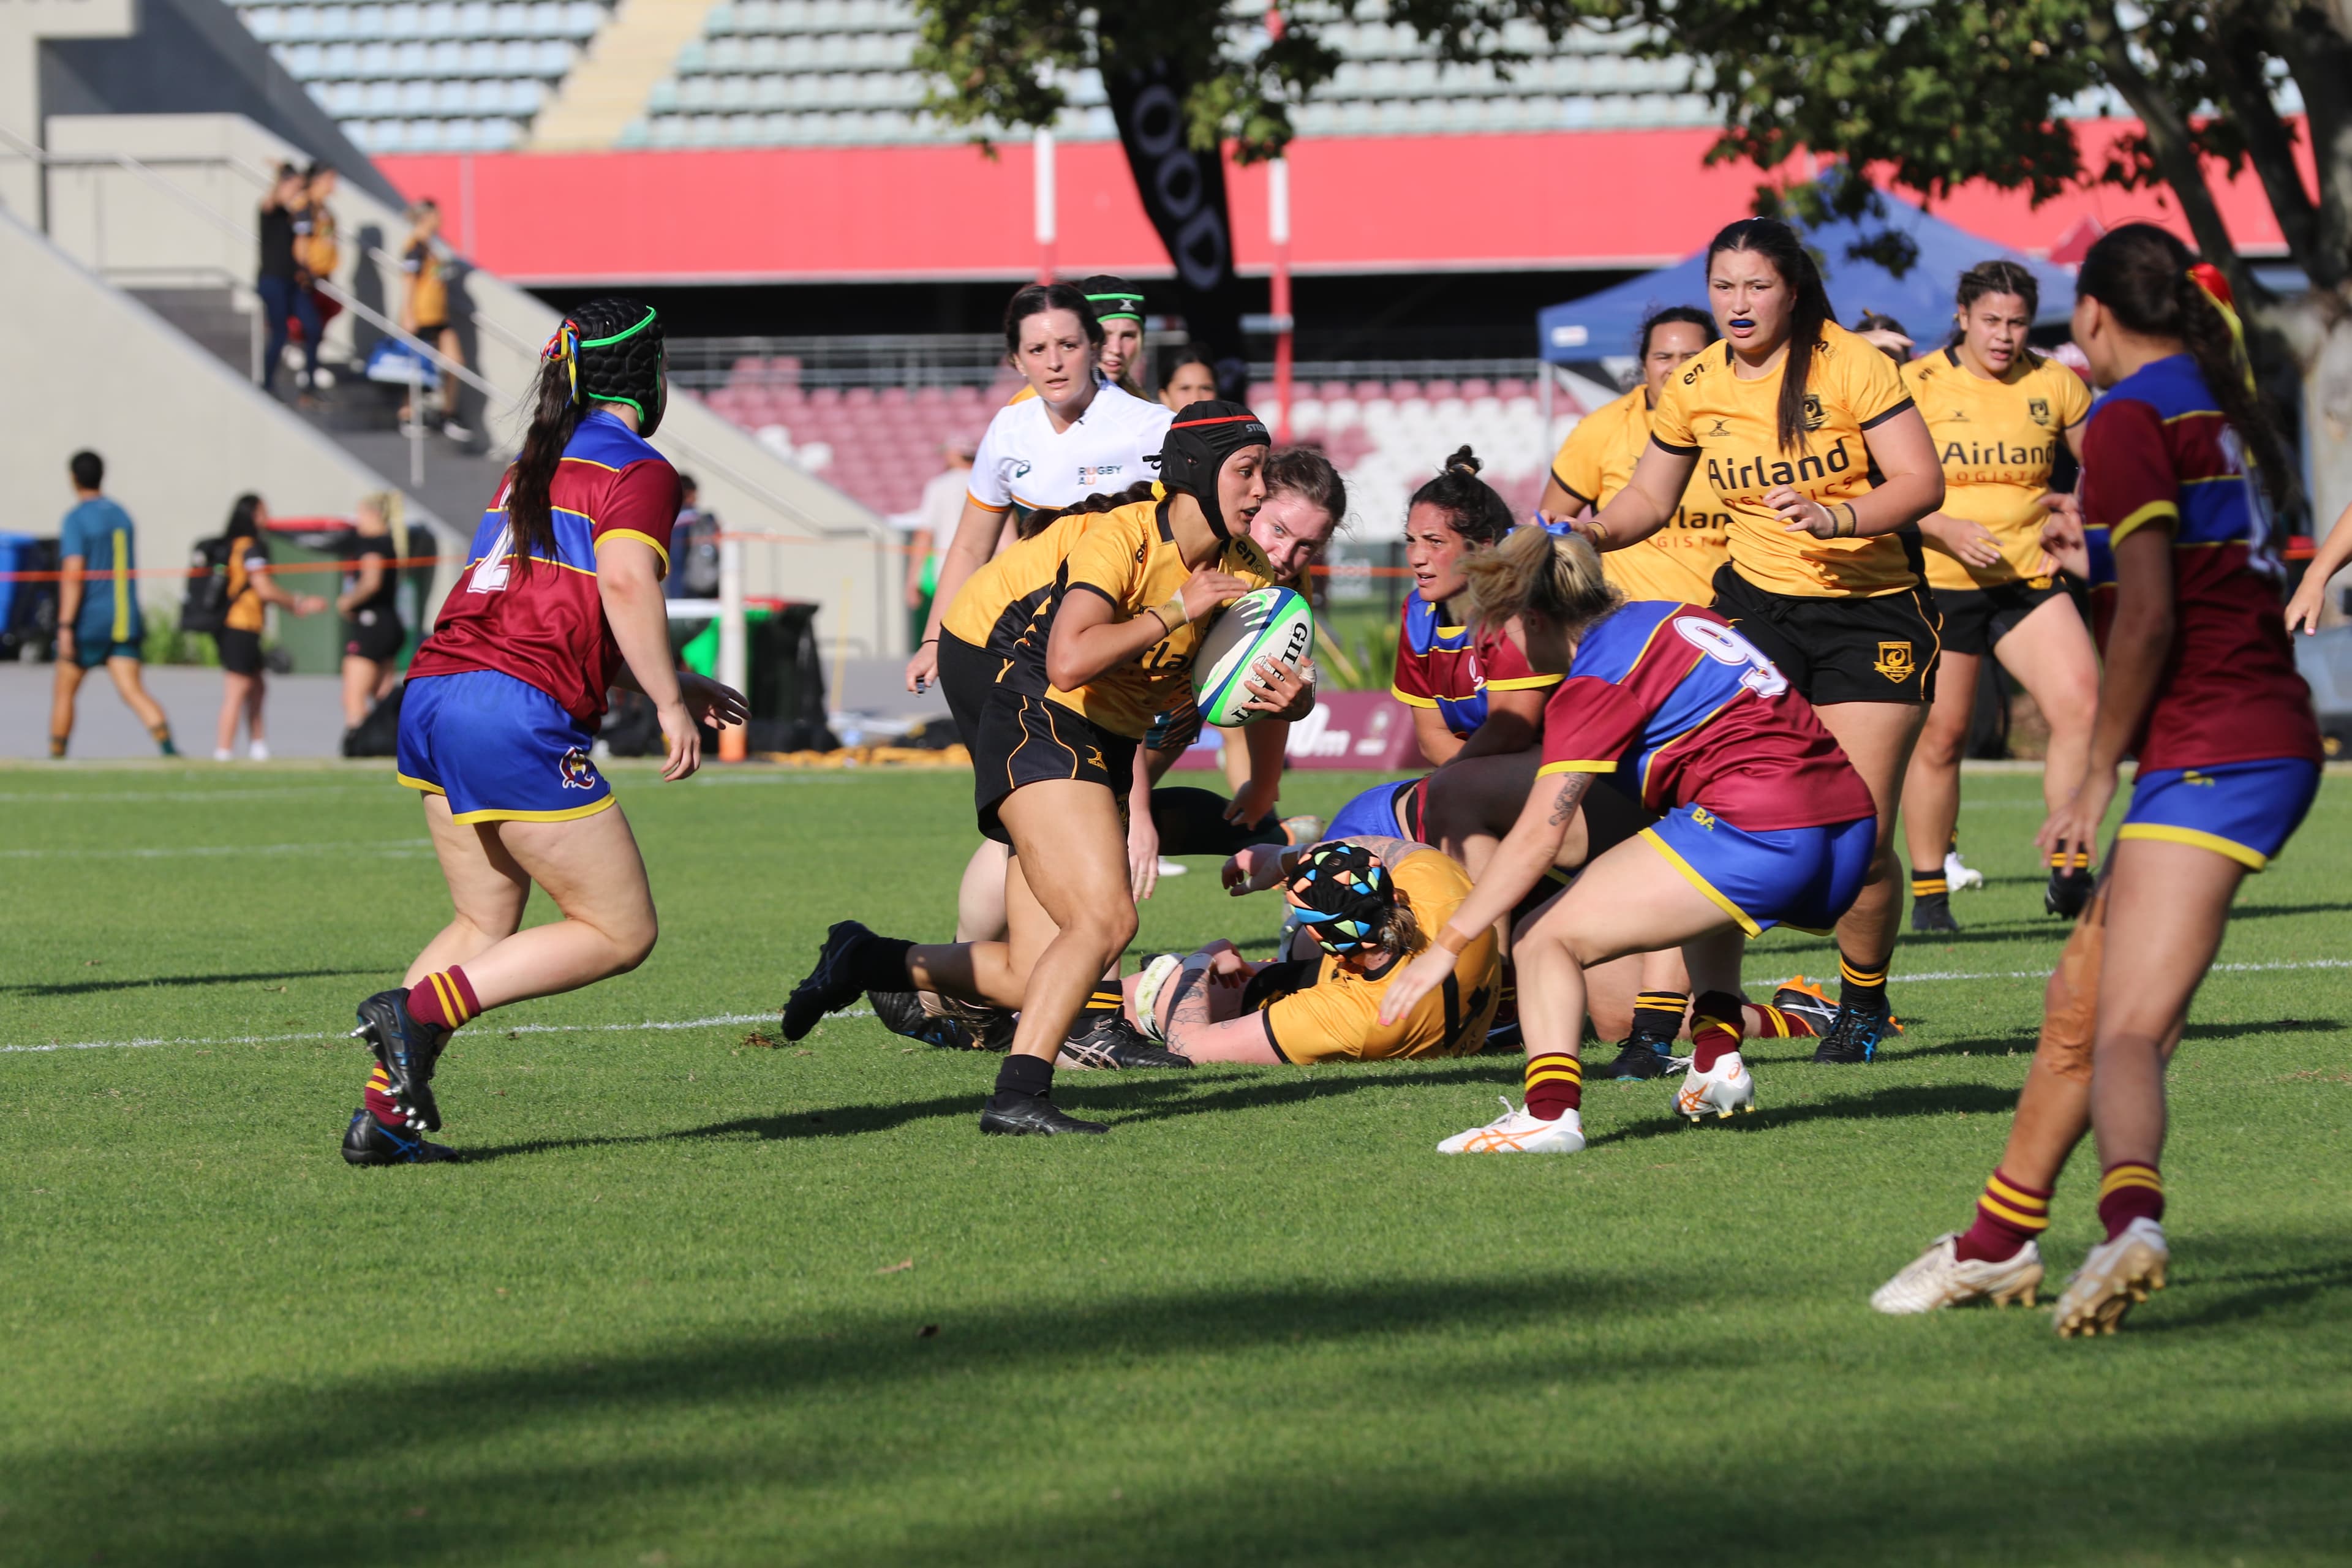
(1119, 1098)
(87, 988)
(1923, 1100)
(2022, 1044)
(2222, 1297)
(855, 1439)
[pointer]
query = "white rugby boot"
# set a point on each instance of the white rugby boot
(1723, 1088)
(2114, 1277)
(1958, 875)
(1938, 1278)
(1517, 1133)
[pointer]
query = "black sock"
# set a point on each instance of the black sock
(879, 964)
(1192, 821)
(1658, 1015)
(1105, 1001)
(1929, 887)
(1031, 1076)
(1861, 990)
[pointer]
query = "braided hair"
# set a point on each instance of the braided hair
(609, 350)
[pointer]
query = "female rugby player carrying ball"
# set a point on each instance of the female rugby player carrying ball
(2200, 684)
(1997, 411)
(1764, 821)
(1788, 420)
(561, 599)
(1104, 666)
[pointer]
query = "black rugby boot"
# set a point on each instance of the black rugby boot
(1855, 1036)
(902, 1014)
(1114, 1042)
(831, 985)
(2069, 891)
(409, 1050)
(367, 1141)
(1933, 912)
(1640, 1055)
(1019, 1115)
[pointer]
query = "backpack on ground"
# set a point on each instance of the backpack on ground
(378, 734)
(204, 606)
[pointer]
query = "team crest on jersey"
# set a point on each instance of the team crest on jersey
(1814, 415)
(1720, 428)
(1894, 661)
(577, 771)
(2038, 410)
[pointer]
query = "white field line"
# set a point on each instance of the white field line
(716, 1021)
(374, 846)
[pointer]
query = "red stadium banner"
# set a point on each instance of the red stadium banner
(1368, 729)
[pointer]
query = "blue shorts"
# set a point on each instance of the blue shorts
(1801, 876)
(2243, 810)
(1372, 815)
(91, 652)
(500, 749)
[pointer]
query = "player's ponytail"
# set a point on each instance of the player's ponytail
(1471, 505)
(1398, 932)
(1533, 572)
(2142, 276)
(1809, 310)
(554, 415)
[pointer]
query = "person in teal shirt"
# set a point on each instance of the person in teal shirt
(97, 607)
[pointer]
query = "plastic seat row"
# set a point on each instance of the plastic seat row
(572, 20)
(446, 99)
(426, 63)
(811, 17)
(460, 134)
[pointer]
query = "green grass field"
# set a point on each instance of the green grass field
(695, 1302)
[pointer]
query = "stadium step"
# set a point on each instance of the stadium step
(608, 89)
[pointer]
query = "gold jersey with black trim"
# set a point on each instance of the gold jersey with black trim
(1337, 1016)
(1128, 557)
(1679, 561)
(1998, 441)
(993, 606)
(1732, 426)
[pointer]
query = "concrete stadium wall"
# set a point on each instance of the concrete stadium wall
(181, 434)
(826, 546)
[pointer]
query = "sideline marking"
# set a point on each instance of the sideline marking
(395, 847)
(711, 1023)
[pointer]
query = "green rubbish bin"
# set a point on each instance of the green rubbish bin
(781, 667)
(313, 645)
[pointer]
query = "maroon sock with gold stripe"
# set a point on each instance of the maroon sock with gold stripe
(380, 1102)
(1555, 1084)
(2129, 1190)
(1718, 1022)
(445, 997)
(1778, 1023)
(2008, 1215)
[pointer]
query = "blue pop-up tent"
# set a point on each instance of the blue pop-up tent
(1604, 324)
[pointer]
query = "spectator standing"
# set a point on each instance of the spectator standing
(370, 606)
(1190, 378)
(932, 530)
(283, 283)
(693, 547)
(425, 313)
(318, 246)
(104, 626)
(240, 638)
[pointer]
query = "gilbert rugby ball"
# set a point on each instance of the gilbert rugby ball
(1268, 623)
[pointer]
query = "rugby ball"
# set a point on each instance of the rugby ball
(1268, 623)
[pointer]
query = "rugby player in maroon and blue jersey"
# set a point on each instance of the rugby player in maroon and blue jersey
(2199, 684)
(1763, 821)
(561, 599)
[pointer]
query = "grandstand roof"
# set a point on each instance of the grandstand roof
(1564, 200)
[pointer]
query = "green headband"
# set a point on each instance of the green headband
(621, 336)
(1134, 314)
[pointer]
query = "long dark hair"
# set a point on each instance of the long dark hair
(1036, 521)
(554, 416)
(1469, 502)
(241, 515)
(2140, 273)
(1809, 310)
(1035, 299)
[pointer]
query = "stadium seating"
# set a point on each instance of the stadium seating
(434, 76)
(798, 73)
(881, 444)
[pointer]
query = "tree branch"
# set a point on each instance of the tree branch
(2236, 67)
(2172, 146)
